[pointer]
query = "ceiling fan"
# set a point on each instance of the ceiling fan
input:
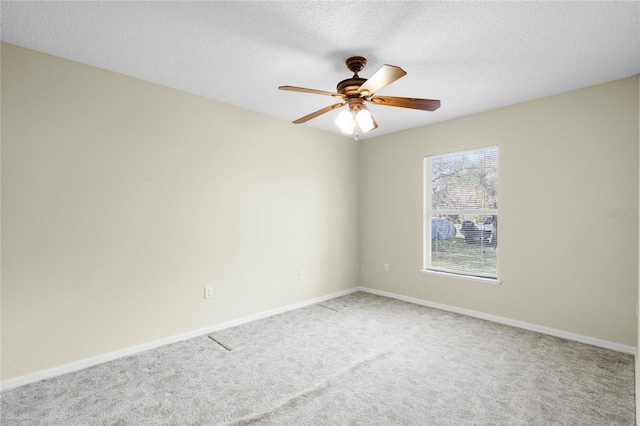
(355, 91)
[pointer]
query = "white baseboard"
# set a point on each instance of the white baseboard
(100, 359)
(507, 321)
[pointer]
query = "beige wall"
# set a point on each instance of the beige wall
(122, 200)
(563, 161)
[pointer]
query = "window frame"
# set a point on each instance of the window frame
(428, 212)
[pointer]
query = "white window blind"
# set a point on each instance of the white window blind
(461, 213)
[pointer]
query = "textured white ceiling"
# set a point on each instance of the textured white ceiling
(473, 56)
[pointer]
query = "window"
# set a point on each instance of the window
(461, 214)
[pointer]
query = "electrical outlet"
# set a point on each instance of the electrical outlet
(208, 292)
(301, 274)
(386, 267)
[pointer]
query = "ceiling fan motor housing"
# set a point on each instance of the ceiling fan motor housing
(351, 85)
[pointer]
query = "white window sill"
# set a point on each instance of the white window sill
(492, 281)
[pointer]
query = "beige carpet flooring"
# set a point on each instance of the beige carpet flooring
(359, 359)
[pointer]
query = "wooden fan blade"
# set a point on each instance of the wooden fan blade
(314, 91)
(386, 75)
(317, 113)
(415, 103)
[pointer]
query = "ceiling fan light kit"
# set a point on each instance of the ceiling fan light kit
(355, 91)
(346, 122)
(357, 114)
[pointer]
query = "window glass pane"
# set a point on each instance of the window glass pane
(465, 181)
(461, 212)
(465, 244)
